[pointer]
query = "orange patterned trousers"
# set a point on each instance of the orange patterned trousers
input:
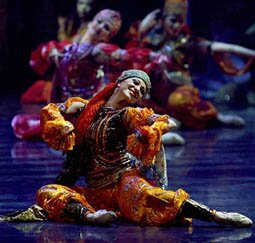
(132, 198)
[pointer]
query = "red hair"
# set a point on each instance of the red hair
(88, 114)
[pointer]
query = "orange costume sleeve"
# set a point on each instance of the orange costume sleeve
(57, 132)
(146, 128)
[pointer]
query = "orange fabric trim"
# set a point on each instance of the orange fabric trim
(56, 131)
(146, 149)
(71, 100)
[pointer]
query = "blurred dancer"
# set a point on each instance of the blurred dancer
(167, 32)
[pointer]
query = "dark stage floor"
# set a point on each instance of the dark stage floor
(217, 167)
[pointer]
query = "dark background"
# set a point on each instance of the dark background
(24, 24)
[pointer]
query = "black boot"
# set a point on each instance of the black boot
(76, 211)
(79, 213)
(193, 209)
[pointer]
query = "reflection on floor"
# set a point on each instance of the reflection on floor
(216, 167)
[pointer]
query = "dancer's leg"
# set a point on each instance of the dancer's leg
(193, 209)
(65, 204)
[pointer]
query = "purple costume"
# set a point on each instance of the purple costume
(78, 74)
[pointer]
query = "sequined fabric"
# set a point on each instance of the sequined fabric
(107, 141)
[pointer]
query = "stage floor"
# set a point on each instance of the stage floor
(216, 166)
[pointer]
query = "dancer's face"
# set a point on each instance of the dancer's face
(173, 24)
(84, 8)
(102, 29)
(132, 90)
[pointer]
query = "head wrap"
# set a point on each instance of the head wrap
(138, 74)
(179, 7)
(112, 17)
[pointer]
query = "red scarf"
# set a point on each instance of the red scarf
(87, 116)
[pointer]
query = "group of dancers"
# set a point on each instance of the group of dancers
(107, 107)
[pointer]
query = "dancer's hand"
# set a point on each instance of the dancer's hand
(149, 21)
